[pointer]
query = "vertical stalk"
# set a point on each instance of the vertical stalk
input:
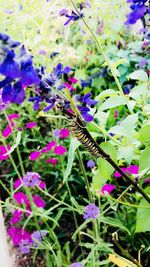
(85, 176)
(100, 50)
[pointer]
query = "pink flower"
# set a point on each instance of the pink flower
(72, 80)
(133, 169)
(50, 145)
(17, 183)
(13, 116)
(34, 155)
(44, 150)
(108, 188)
(18, 234)
(116, 113)
(21, 198)
(147, 180)
(60, 150)
(42, 184)
(39, 202)
(3, 151)
(69, 86)
(64, 133)
(52, 161)
(31, 125)
(8, 130)
(16, 217)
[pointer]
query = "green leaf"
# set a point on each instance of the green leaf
(143, 218)
(105, 169)
(145, 133)
(113, 222)
(18, 139)
(74, 144)
(113, 102)
(139, 75)
(126, 126)
(144, 161)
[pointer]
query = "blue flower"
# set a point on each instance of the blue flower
(4, 37)
(54, 54)
(86, 99)
(84, 112)
(9, 66)
(91, 212)
(37, 236)
(7, 93)
(28, 74)
(72, 17)
(138, 11)
(18, 94)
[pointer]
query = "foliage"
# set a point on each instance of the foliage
(57, 205)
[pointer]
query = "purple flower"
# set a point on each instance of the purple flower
(37, 236)
(7, 93)
(108, 188)
(87, 100)
(84, 112)
(9, 66)
(31, 179)
(24, 246)
(143, 62)
(91, 212)
(18, 93)
(28, 74)
(56, 132)
(54, 54)
(138, 11)
(76, 264)
(90, 164)
(72, 17)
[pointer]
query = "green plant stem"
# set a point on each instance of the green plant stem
(17, 148)
(124, 252)
(75, 219)
(85, 176)
(100, 50)
(11, 158)
(116, 200)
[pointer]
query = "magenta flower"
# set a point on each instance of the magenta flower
(31, 125)
(50, 145)
(39, 202)
(64, 133)
(34, 155)
(42, 184)
(3, 151)
(108, 188)
(60, 150)
(18, 234)
(8, 130)
(31, 179)
(133, 169)
(21, 198)
(147, 180)
(91, 212)
(53, 161)
(17, 183)
(16, 217)
(72, 80)
(13, 116)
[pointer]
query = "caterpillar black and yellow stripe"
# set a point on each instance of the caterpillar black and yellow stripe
(84, 137)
